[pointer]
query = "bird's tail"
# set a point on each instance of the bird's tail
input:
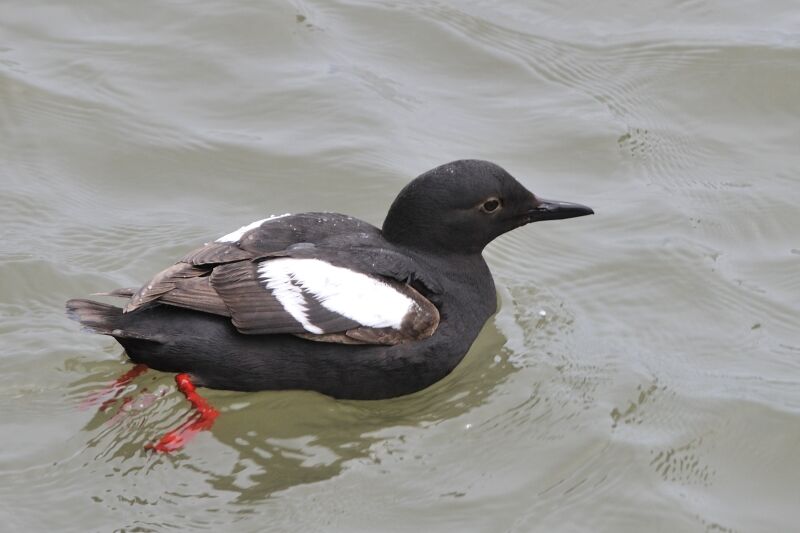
(95, 316)
(109, 320)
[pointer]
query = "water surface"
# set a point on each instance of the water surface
(643, 371)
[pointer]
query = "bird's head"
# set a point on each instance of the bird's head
(462, 206)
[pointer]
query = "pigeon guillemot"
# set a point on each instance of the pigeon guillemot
(327, 302)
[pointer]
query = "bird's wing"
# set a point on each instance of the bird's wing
(320, 276)
(276, 233)
(271, 234)
(328, 295)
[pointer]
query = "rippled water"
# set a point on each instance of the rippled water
(658, 391)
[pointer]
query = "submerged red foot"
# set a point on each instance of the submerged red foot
(116, 387)
(203, 420)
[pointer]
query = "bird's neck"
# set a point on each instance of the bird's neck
(467, 284)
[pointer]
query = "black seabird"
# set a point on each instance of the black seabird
(327, 302)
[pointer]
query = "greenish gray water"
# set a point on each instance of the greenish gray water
(660, 391)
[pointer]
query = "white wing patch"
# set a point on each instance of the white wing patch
(234, 236)
(359, 297)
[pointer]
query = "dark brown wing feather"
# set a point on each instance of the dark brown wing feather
(196, 294)
(215, 253)
(162, 283)
(122, 292)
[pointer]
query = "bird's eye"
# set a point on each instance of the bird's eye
(490, 205)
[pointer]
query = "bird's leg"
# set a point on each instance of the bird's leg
(116, 387)
(203, 420)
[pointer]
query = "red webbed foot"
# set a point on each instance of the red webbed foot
(202, 420)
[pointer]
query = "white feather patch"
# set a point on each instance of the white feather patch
(235, 236)
(359, 297)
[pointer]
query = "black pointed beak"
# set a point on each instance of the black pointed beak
(555, 210)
